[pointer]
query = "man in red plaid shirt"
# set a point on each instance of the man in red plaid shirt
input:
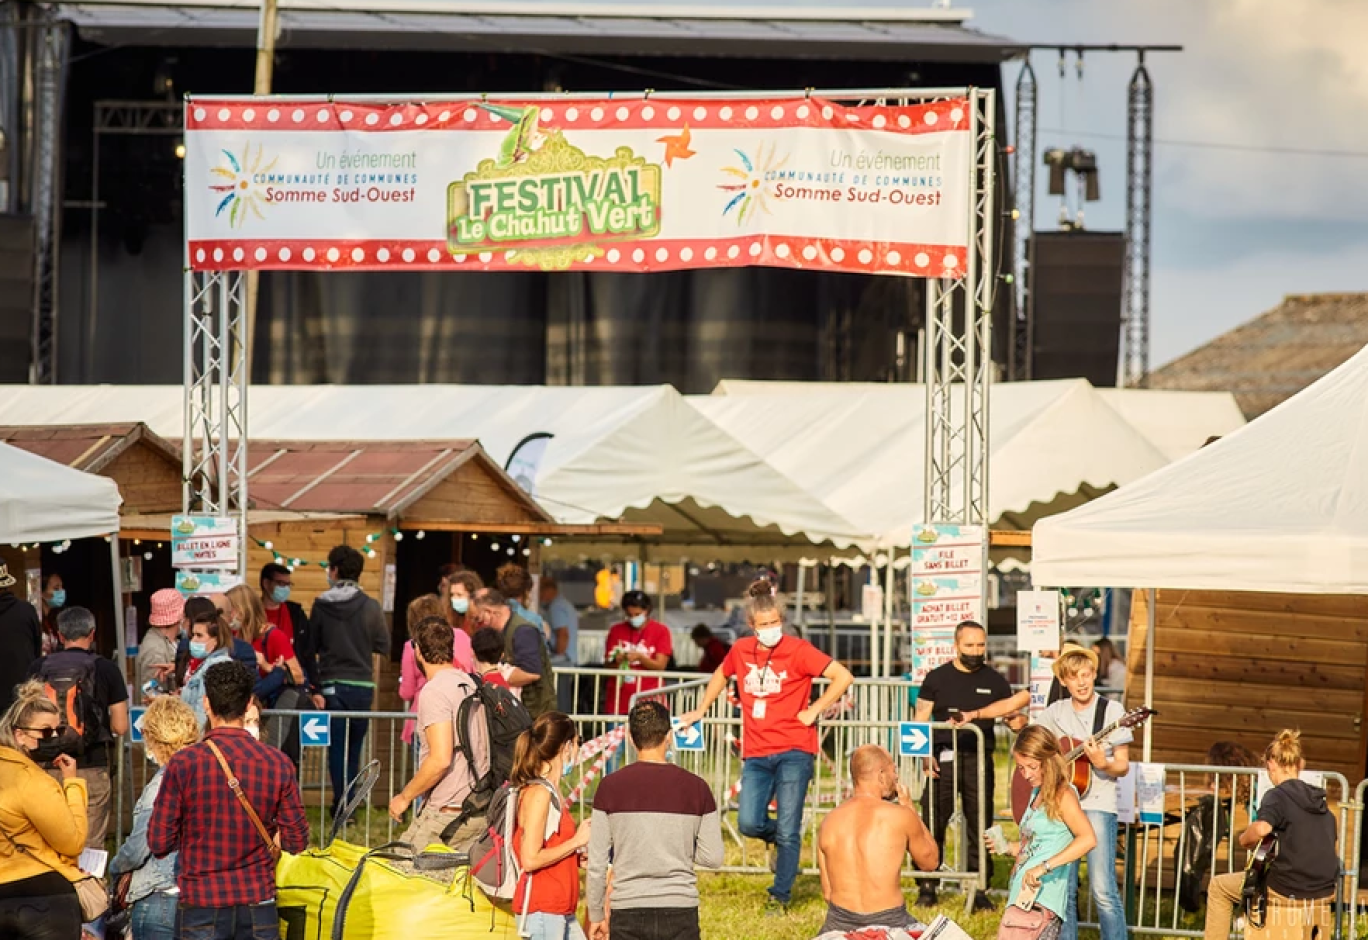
(226, 869)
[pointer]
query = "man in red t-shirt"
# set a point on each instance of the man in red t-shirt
(638, 644)
(779, 735)
(287, 616)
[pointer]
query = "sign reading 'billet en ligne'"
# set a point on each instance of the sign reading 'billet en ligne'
(642, 185)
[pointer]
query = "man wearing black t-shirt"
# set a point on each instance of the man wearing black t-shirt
(961, 685)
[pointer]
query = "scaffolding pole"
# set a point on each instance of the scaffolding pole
(1024, 167)
(1139, 185)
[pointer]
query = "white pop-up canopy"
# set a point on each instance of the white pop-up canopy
(1279, 505)
(43, 501)
(641, 454)
(860, 447)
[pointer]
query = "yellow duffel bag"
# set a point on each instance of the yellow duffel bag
(346, 891)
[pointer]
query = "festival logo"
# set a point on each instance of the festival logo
(762, 683)
(746, 184)
(544, 191)
(239, 193)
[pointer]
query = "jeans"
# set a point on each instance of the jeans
(244, 922)
(553, 927)
(43, 907)
(154, 917)
(656, 923)
(1111, 915)
(348, 736)
(783, 778)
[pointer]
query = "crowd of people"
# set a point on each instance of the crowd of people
(478, 675)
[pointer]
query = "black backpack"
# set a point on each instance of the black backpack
(69, 683)
(505, 718)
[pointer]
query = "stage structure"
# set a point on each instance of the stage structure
(881, 181)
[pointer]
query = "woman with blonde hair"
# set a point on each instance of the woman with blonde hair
(411, 678)
(1055, 833)
(42, 824)
(273, 648)
(168, 726)
(1301, 882)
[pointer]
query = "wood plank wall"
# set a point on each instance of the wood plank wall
(1243, 666)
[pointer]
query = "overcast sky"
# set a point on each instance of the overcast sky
(1234, 229)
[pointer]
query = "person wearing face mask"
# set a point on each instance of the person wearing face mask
(277, 584)
(459, 590)
(167, 726)
(637, 645)
(210, 642)
(952, 691)
(779, 733)
(53, 599)
(42, 824)
(411, 678)
(545, 840)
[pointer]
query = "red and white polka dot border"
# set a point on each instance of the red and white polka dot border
(718, 114)
(914, 260)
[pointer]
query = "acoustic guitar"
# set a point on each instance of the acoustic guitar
(1255, 893)
(1075, 758)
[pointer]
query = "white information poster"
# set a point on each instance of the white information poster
(1125, 796)
(1042, 678)
(1037, 621)
(1149, 792)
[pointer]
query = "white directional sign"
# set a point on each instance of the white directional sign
(314, 729)
(914, 739)
(688, 738)
(135, 719)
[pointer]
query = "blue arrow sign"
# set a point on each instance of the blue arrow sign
(688, 738)
(914, 739)
(314, 729)
(135, 717)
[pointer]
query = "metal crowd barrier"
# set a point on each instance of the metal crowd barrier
(870, 713)
(1351, 821)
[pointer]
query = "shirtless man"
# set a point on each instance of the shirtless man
(862, 844)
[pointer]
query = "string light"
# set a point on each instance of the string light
(421, 534)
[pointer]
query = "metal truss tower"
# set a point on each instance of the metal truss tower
(959, 347)
(1135, 357)
(1024, 181)
(50, 43)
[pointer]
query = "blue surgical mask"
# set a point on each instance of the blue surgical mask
(280, 593)
(770, 636)
(58, 598)
(460, 604)
(198, 650)
(637, 621)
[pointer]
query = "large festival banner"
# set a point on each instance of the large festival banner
(612, 185)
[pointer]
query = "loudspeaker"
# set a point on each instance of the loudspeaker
(1076, 282)
(16, 297)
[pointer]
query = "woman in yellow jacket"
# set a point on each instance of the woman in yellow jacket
(42, 824)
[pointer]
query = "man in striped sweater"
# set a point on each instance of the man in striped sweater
(654, 821)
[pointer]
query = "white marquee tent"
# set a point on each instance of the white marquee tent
(43, 501)
(859, 447)
(639, 453)
(1279, 505)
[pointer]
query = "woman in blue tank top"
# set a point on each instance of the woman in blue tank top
(1054, 833)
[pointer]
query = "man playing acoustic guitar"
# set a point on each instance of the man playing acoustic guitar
(1301, 876)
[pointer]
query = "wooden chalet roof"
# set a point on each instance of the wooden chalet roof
(88, 447)
(371, 477)
(1276, 355)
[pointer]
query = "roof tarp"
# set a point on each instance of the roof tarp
(1278, 505)
(641, 454)
(43, 501)
(860, 447)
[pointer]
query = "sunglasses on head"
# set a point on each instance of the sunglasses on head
(42, 733)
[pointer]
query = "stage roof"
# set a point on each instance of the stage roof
(854, 33)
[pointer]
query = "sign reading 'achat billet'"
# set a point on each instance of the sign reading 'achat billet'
(648, 184)
(947, 588)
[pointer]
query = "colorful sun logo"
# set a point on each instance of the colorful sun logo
(239, 197)
(749, 193)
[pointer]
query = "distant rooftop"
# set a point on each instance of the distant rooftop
(1276, 355)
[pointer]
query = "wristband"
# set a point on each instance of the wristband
(1047, 867)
